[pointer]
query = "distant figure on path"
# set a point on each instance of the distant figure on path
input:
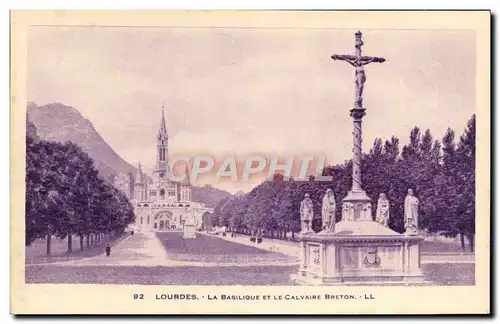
(328, 212)
(108, 250)
(382, 214)
(411, 213)
(306, 214)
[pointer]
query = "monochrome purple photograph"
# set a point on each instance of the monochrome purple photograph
(186, 156)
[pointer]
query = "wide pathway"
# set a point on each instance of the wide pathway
(273, 245)
(145, 249)
(138, 249)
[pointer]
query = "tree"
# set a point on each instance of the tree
(441, 173)
(466, 181)
(65, 196)
(33, 182)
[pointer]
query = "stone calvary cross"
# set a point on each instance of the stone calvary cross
(360, 251)
(358, 62)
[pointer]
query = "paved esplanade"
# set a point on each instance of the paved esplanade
(138, 249)
(145, 249)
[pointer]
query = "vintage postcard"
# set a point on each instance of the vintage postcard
(260, 162)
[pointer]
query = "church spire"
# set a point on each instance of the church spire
(163, 124)
(162, 147)
(139, 177)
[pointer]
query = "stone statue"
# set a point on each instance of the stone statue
(411, 213)
(348, 212)
(190, 220)
(328, 211)
(358, 62)
(382, 214)
(306, 214)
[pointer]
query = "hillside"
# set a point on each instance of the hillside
(208, 195)
(58, 122)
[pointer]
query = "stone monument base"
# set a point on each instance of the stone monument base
(189, 231)
(356, 206)
(351, 256)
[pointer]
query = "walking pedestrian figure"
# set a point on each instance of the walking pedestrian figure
(108, 250)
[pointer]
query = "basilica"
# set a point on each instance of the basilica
(161, 204)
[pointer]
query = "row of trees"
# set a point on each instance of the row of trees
(441, 173)
(65, 195)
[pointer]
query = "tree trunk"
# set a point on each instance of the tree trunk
(48, 244)
(70, 243)
(92, 239)
(471, 242)
(88, 241)
(462, 242)
(81, 242)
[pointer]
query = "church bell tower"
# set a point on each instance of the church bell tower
(161, 169)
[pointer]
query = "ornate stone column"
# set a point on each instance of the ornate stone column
(356, 202)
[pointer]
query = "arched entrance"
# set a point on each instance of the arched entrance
(207, 220)
(162, 220)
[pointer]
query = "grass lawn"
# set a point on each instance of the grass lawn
(427, 247)
(440, 274)
(36, 252)
(450, 273)
(212, 249)
(440, 247)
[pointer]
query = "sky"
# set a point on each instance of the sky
(241, 91)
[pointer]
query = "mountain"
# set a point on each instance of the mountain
(209, 195)
(60, 123)
(57, 122)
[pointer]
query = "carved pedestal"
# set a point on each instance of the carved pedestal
(356, 206)
(360, 253)
(189, 231)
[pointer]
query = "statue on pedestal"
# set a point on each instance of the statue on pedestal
(189, 224)
(411, 213)
(382, 214)
(328, 212)
(306, 214)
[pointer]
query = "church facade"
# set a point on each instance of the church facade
(161, 204)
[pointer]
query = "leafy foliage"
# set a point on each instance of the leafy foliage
(65, 195)
(441, 173)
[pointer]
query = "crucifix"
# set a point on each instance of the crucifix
(359, 61)
(357, 198)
